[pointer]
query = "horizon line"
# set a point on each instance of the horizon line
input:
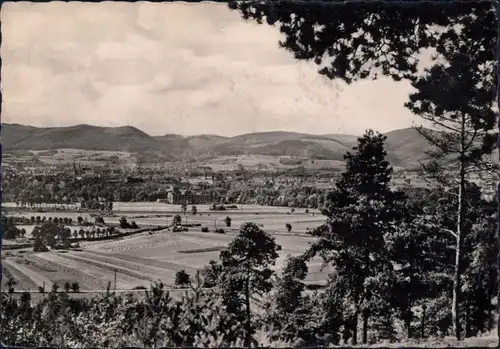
(201, 134)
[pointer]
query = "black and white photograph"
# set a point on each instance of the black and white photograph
(250, 174)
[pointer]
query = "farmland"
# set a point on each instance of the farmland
(149, 208)
(140, 259)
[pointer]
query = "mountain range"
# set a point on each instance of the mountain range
(404, 146)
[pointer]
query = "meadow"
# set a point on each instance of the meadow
(266, 162)
(141, 259)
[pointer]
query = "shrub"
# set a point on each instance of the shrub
(75, 287)
(123, 223)
(177, 220)
(39, 245)
(182, 278)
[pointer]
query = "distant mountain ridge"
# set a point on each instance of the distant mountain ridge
(404, 147)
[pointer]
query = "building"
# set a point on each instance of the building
(201, 181)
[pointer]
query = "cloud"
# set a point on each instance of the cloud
(175, 68)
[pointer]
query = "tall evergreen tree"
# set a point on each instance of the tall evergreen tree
(462, 139)
(246, 265)
(421, 258)
(480, 271)
(360, 211)
(291, 311)
(291, 285)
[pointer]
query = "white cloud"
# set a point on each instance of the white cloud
(175, 68)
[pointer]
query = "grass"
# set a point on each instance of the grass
(109, 265)
(36, 277)
(146, 269)
(269, 162)
(85, 279)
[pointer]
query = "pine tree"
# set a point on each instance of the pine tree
(290, 287)
(291, 312)
(480, 271)
(461, 138)
(360, 40)
(420, 255)
(360, 211)
(246, 271)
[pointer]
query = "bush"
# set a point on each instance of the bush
(205, 230)
(124, 224)
(177, 220)
(182, 278)
(75, 287)
(39, 245)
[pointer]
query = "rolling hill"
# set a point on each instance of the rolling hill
(127, 138)
(404, 147)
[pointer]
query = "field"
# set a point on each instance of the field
(143, 258)
(151, 208)
(267, 162)
(156, 207)
(145, 214)
(68, 156)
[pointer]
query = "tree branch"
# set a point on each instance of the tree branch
(432, 225)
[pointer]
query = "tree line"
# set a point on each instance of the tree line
(56, 232)
(240, 190)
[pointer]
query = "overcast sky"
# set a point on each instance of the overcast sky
(175, 68)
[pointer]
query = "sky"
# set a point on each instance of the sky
(175, 68)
